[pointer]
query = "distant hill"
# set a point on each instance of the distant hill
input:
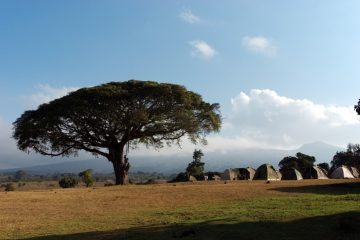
(173, 164)
(322, 151)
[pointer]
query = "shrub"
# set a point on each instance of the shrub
(9, 187)
(68, 182)
(87, 177)
(181, 177)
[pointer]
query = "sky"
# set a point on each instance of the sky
(285, 73)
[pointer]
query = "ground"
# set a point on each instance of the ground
(307, 209)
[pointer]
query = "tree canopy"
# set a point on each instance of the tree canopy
(324, 166)
(104, 119)
(300, 162)
(196, 167)
(350, 157)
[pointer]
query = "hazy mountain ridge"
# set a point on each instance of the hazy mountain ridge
(173, 164)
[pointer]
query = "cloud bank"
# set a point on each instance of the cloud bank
(259, 44)
(202, 49)
(265, 117)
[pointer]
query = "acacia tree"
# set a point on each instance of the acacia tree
(105, 119)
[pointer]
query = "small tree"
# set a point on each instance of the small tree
(87, 177)
(196, 167)
(68, 182)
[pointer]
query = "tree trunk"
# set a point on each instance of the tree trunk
(120, 164)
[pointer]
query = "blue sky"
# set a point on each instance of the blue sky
(302, 56)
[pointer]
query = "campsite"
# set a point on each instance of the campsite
(185, 119)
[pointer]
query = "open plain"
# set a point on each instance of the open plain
(306, 209)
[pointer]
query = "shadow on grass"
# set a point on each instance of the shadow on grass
(331, 189)
(345, 226)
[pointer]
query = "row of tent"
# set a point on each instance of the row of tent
(268, 172)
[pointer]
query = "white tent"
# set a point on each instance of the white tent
(314, 172)
(354, 171)
(266, 172)
(341, 172)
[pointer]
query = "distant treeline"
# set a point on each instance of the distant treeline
(23, 176)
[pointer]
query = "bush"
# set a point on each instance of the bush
(87, 177)
(9, 187)
(68, 182)
(181, 177)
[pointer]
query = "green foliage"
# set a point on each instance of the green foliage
(68, 182)
(104, 118)
(350, 157)
(325, 166)
(87, 178)
(181, 177)
(156, 113)
(9, 187)
(357, 107)
(196, 167)
(300, 162)
(197, 155)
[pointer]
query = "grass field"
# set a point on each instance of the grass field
(308, 209)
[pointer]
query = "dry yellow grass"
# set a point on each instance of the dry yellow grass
(61, 211)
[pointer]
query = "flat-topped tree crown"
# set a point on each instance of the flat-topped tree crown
(104, 118)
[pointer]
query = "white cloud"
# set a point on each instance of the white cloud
(259, 44)
(265, 117)
(189, 17)
(46, 93)
(202, 49)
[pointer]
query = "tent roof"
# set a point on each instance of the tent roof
(342, 172)
(266, 172)
(291, 174)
